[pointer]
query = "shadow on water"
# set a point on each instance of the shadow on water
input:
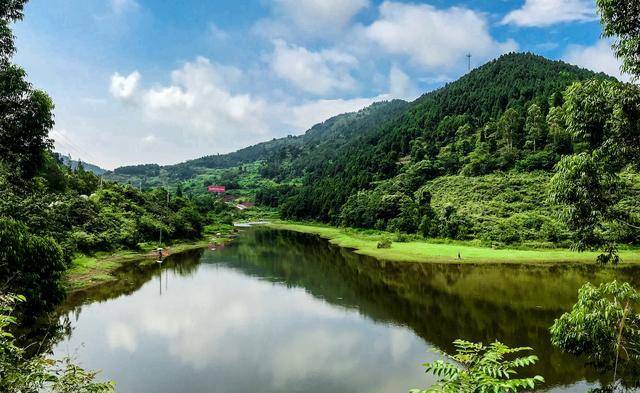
(515, 304)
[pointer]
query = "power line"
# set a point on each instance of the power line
(75, 147)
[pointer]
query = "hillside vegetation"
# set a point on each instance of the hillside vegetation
(472, 160)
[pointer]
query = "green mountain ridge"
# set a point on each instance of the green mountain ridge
(336, 130)
(343, 129)
(73, 164)
(470, 160)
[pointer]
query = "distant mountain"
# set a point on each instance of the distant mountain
(515, 80)
(335, 131)
(353, 151)
(87, 166)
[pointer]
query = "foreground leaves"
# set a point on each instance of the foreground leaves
(480, 368)
(604, 326)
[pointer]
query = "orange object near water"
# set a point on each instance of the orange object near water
(165, 253)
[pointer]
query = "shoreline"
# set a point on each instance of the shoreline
(90, 271)
(423, 251)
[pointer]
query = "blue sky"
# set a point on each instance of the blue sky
(138, 81)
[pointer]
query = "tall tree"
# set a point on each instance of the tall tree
(606, 116)
(10, 11)
(25, 113)
(508, 127)
(560, 138)
(535, 128)
(621, 21)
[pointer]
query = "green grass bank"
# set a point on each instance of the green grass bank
(366, 243)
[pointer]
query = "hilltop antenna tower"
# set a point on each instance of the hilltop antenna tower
(469, 61)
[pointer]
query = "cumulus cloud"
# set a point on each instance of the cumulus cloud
(401, 86)
(542, 13)
(204, 103)
(303, 116)
(431, 37)
(124, 87)
(201, 100)
(315, 17)
(598, 57)
(314, 72)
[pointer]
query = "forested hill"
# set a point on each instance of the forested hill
(73, 164)
(335, 131)
(475, 124)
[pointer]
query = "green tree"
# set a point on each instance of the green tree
(535, 128)
(10, 10)
(30, 264)
(560, 137)
(620, 21)
(605, 115)
(508, 127)
(604, 326)
(25, 114)
(482, 368)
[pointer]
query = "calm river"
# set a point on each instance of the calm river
(285, 312)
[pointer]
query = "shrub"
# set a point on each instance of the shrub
(603, 325)
(30, 264)
(482, 368)
(384, 243)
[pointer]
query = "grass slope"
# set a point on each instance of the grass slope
(423, 251)
(89, 271)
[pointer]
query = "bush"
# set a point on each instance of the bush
(604, 325)
(384, 243)
(482, 368)
(31, 265)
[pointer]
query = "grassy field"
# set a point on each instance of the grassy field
(88, 271)
(424, 251)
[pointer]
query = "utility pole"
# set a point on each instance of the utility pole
(469, 61)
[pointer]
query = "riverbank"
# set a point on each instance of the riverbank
(424, 251)
(92, 270)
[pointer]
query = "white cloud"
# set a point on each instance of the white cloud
(318, 16)
(401, 86)
(168, 98)
(121, 6)
(314, 72)
(204, 108)
(199, 100)
(598, 57)
(549, 12)
(434, 38)
(149, 139)
(124, 86)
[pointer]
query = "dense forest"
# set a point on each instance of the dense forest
(467, 161)
(520, 151)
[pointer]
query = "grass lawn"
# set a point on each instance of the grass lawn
(425, 251)
(88, 271)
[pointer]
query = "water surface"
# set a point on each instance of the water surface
(278, 311)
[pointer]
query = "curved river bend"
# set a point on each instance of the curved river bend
(284, 312)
